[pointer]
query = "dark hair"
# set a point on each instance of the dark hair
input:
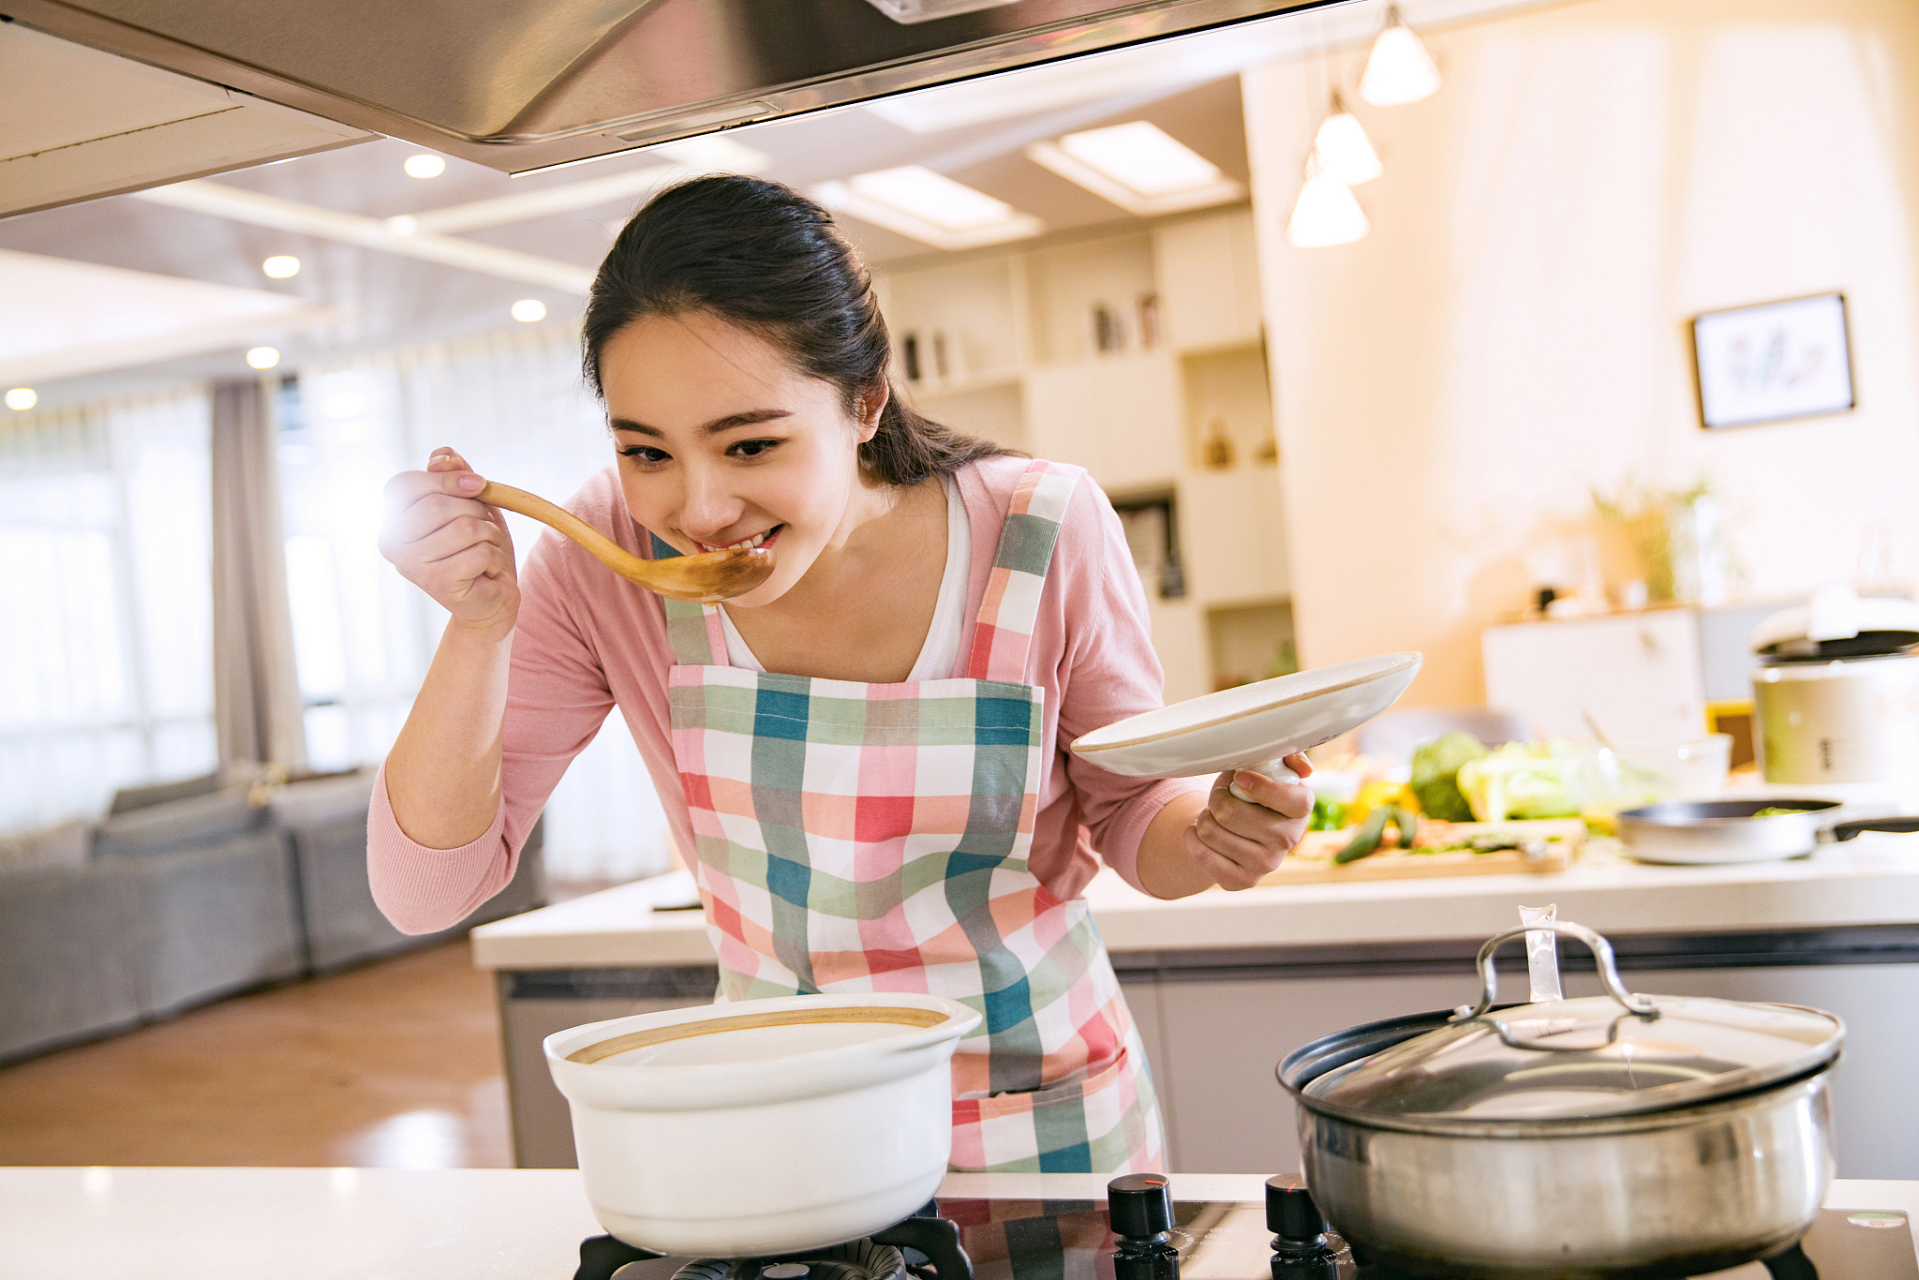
(763, 256)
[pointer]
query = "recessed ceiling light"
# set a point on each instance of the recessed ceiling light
(529, 310)
(1139, 167)
(929, 207)
(22, 398)
(263, 357)
(425, 165)
(281, 266)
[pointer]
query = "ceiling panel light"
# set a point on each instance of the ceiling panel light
(281, 266)
(425, 165)
(1399, 70)
(1343, 149)
(529, 311)
(929, 207)
(20, 399)
(263, 357)
(1325, 214)
(1139, 167)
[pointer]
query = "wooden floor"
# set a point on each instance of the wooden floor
(394, 1065)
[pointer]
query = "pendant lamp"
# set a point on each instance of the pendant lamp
(1326, 212)
(1399, 70)
(1343, 149)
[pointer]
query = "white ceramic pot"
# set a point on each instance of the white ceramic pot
(762, 1126)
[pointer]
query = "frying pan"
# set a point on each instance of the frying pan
(1696, 831)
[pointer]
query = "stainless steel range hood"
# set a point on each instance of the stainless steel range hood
(527, 84)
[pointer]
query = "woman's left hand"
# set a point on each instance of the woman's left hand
(1234, 842)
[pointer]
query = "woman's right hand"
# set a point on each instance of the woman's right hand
(451, 545)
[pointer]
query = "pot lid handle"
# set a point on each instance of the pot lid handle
(1641, 1005)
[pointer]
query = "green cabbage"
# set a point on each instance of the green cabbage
(1519, 780)
(1435, 780)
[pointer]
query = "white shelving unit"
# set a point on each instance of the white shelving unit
(1007, 345)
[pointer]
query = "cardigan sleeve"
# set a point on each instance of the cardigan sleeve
(557, 699)
(1107, 671)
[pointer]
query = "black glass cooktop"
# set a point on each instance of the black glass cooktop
(1215, 1240)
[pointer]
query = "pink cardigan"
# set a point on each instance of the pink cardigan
(588, 641)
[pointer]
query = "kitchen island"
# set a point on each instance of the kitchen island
(1224, 985)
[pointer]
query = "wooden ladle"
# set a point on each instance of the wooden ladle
(707, 577)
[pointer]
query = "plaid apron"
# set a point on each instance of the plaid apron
(874, 837)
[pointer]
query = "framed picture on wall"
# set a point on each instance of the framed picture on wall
(1773, 361)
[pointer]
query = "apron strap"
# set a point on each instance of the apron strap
(1004, 631)
(692, 629)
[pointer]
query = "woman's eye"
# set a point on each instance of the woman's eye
(752, 448)
(643, 453)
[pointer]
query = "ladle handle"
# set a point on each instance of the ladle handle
(604, 549)
(1602, 957)
(1278, 770)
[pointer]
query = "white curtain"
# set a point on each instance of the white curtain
(106, 639)
(514, 405)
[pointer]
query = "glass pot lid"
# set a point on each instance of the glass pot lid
(1613, 1055)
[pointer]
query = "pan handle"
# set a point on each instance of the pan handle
(1847, 830)
(1642, 1005)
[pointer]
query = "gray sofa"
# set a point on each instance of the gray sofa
(195, 894)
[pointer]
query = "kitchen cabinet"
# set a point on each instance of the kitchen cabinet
(1645, 675)
(1639, 673)
(1139, 357)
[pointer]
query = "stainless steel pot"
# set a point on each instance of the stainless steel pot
(1612, 1136)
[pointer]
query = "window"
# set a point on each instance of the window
(106, 608)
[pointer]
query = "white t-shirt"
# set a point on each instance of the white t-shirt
(948, 629)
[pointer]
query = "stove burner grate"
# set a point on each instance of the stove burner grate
(925, 1246)
(860, 1260)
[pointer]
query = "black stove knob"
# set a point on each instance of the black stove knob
(1140, 1206)
(1291, 1214)
(1301, 1250)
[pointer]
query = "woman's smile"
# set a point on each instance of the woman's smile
(764, 538)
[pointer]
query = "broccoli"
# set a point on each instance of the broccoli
(1435, 778)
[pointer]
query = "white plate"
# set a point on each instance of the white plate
(1254, 725)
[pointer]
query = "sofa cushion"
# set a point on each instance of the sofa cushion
(127, 799)
(66, 845)
(318, 800)
(178, 824)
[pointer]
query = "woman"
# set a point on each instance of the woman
(866, 754)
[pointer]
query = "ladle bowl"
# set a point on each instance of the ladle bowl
(705, 578)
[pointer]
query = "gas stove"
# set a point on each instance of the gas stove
(1140, 1233)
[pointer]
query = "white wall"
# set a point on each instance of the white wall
(1513, 332)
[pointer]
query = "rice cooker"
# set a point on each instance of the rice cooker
(1836, 694)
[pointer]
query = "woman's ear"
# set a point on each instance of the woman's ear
(873, 403)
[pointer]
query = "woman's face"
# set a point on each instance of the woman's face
(722, 441)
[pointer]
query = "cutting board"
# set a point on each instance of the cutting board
(1312, 862)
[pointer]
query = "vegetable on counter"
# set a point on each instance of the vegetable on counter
(1366, 840)
(1435, 781)
(1328, 814)
(1387, 824)
(1519, 781)
(1380, 793)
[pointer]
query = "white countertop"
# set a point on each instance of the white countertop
(393, 1224)
(1873, 879)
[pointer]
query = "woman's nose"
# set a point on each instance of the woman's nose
(707, 506)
